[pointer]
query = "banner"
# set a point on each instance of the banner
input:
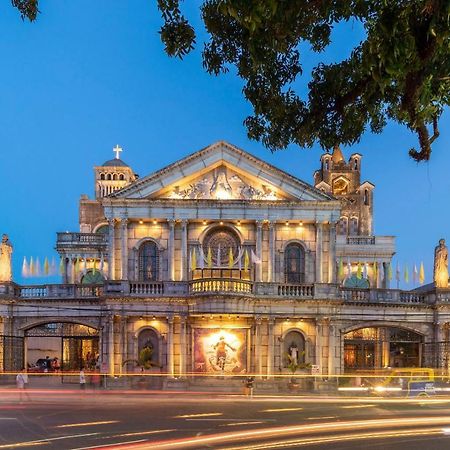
(219, 351)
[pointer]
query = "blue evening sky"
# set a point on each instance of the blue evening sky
(92, 74)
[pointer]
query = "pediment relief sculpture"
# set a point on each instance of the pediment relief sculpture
(224, 184)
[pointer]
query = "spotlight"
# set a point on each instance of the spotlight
(155, 222)
(221, 223)
(141, 318)
(287, 223)
(301, 223)
(141, 222)
(238, 223)
(204, 222)
(154, 317)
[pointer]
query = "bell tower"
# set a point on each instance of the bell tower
(342, 179)
(113, 175)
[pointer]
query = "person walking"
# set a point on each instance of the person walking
(82, 379)
(22, 384)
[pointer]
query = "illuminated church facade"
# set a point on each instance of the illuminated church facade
(220, 263)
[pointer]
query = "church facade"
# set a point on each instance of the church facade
(223, 264)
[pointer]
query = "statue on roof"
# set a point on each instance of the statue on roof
(440, 275)
(6, 250)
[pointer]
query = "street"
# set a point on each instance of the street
(68, 419)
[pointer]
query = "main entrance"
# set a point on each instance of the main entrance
(381, 347)
(61, 346)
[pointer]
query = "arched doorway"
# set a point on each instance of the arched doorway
(64, 346)
(382, 347)
(148, 342)
(294, 348)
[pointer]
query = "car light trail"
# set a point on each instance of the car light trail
(277, 432)
(143, 433)
(282, 409)
(185, 416)
(357, 406)
(45, 441)
(86, 424)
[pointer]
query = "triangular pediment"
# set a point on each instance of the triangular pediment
(224, 172)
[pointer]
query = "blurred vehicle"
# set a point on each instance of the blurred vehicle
(410, 382)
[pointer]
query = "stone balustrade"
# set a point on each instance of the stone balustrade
(229, 286)
(68, 240)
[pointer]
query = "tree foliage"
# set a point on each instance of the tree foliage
(399, 72)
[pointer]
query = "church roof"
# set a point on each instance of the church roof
(337, 155)
(115, 162)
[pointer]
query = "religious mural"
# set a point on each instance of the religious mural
(218, 351)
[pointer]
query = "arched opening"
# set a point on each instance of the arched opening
(342, 226)
(148, 261)
(108, 177)
(353, 227)
(61, 346)
(294, 347)
(102, 176)
(93, 277)
(366, 197)
(148, 349)
(115, 177)
(102, 229)
(219, 241)
(382, 347)
(121, 177)
(294, 264)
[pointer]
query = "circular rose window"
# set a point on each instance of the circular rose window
(220, 240)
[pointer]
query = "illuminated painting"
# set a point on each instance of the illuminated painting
(220, 350)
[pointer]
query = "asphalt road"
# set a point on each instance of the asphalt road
(140, 420)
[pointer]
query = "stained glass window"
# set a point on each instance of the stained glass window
(148, 262)
(294, 268)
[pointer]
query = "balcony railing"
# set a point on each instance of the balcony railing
(296, 290)
(59, 291)
(81, 239)
(383, 296)
(361, 240)
(220, 285)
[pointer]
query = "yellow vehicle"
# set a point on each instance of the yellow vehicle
(410, 381)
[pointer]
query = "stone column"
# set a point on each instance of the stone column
(319, 246)
(258, 357)
(439, 333)
(124, 343)
(271, 267)
(258, 268)
(183, 347)
(171, 250)
(331, 348)
(170, 352)
(66, 266)
(184, 250)
(332, 255)
(111, 345)
(386, 282)
(318, 349)
(111, 250)
(124, 248)
(270, 346)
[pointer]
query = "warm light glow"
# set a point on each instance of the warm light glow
(204, 222)
(141, 222)
(221, 222)
(222, 194)
(287, 223)
(238, 223)
(155, 222)
(301, 224)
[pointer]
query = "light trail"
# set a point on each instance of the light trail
(277, 432)
(45, 441)
(282, 409)
(186, 416)
(357, 406)
(143, 433)
(86, 424)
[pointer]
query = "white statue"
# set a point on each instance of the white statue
(441, 265)
(293, 353)
(6, 250)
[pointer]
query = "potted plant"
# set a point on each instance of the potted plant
(144, 362)
(294, 365)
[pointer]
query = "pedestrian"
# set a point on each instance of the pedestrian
(82, 379)
(22, 384)
(249, 385)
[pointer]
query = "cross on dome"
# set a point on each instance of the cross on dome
(117, 150)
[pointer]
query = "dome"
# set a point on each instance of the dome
(116, 162)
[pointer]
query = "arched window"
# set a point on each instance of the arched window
(355, 166)
(353, 231)
(366, 197)
(108, 177)
(102, 176)
(294, 264)
(102, 229)
(342, 226)
(220, 240)
(148, 261)
(327, 164)
(115, 176)
(121, 177)
(294, 348)
(148, 341)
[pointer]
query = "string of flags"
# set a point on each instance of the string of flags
(380, 271)
(32, 267)
(198, 259)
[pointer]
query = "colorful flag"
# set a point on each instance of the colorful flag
(397, 273)
(61, 265)
(375, 272)
(94, 266)
(246, 260)
(37, 267)
(77, 266)
(31, 271)
(209, 258)
(219, 257)
(240, 255)
(201, 258)
(365, 271)
(390, 272)
(25, 269)
(359, 271)
(193, 259)
(230, 258)
(349, 268)
(415, 274)
(46, 267)
(255, 258)
(53, 267)
(341, 269)
(406, 274)
(421, 274)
